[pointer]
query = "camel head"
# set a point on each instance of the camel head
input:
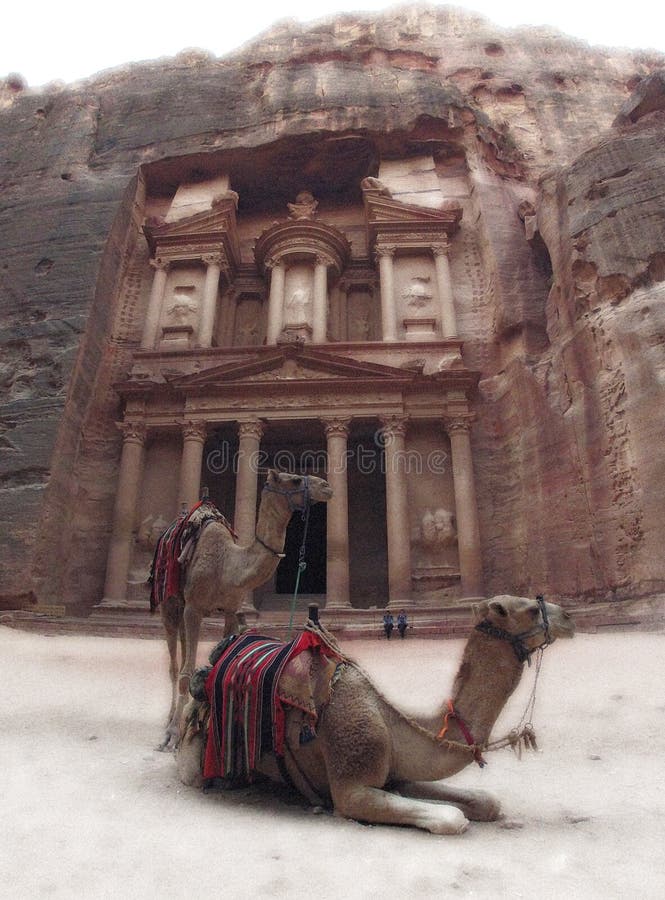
(527, 624)
(298, 489)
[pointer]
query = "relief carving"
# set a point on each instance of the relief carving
(304, 207)
(184, 309)
(417, 293)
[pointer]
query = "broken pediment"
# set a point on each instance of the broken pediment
(211, 231)
(407, 225)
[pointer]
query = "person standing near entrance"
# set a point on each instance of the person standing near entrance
(402, 623)
(388, 624)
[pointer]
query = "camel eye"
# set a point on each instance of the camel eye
(535, 612)
(296, 479)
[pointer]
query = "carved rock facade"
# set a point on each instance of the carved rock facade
(411, 250)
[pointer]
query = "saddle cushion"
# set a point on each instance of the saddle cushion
(248, 689)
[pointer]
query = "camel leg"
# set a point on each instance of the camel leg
(370, 804)
(479, 806)
(171, 612)
(192, 626)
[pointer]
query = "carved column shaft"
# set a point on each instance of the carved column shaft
(397, 510)
(276, 302)
(210, 296)
(193, 439)
(124, 513)
(466, 508)
(445, 288)
(320, 306)
(387, 280)
(337, 539)
(155, 304)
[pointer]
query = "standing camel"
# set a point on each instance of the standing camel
(221, 572)
(379, 765)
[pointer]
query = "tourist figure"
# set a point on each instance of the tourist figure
(402, 624)
(388, 624)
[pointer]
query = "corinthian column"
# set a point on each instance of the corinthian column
(397, 510)
(466, 508)
(210, 295)
(193, 439)
(320, 305)
(276, 301)
(445, 288)
(151, 325)
(337, 542)
(124, 512)
(244, 516)
(387, 281)
(249, 442)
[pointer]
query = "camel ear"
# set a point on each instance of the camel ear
(498, 607)
(479, 610)
(272, 475)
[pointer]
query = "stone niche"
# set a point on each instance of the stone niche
(432, 521)
(417, 298)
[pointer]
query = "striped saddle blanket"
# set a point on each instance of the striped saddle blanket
(175, 548)
(248, 689)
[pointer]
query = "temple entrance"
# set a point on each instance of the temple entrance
(313, 579)
(368, 542)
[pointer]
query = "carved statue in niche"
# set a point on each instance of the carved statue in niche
(304, 207)
(435, 534)
(417, 294)
(298, 306)
(183, 310)
(147, 535)
(248, 324)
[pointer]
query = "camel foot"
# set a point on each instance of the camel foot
(171, 739)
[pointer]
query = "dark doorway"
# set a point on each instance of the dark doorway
(313, 579)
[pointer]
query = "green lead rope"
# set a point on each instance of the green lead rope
(302, 565)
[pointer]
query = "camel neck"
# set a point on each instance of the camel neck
(487, 676)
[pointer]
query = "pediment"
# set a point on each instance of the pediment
(390, 219)
(286, 365)
(212, 228)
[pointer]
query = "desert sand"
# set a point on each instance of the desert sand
(91, 809)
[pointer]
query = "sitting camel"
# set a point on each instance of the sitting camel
(221, 572)
(379, 765)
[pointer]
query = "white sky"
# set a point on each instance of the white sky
(47, 40)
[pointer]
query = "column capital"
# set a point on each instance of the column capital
(133, 432)
(213, 259)
(194, 429)
(385, 250)
(458, 423)
(323, 260)
(254, 429)
(394, 425)
(274, 263)
(159, 264)
(441, 248)
(336, 426)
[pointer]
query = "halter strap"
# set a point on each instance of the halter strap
(522, 652)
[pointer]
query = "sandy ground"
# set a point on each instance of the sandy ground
(90, 809)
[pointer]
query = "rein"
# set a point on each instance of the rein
(305, 508)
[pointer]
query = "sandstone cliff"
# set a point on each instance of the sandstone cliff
(568, 338)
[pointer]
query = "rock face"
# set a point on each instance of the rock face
(561, 305)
